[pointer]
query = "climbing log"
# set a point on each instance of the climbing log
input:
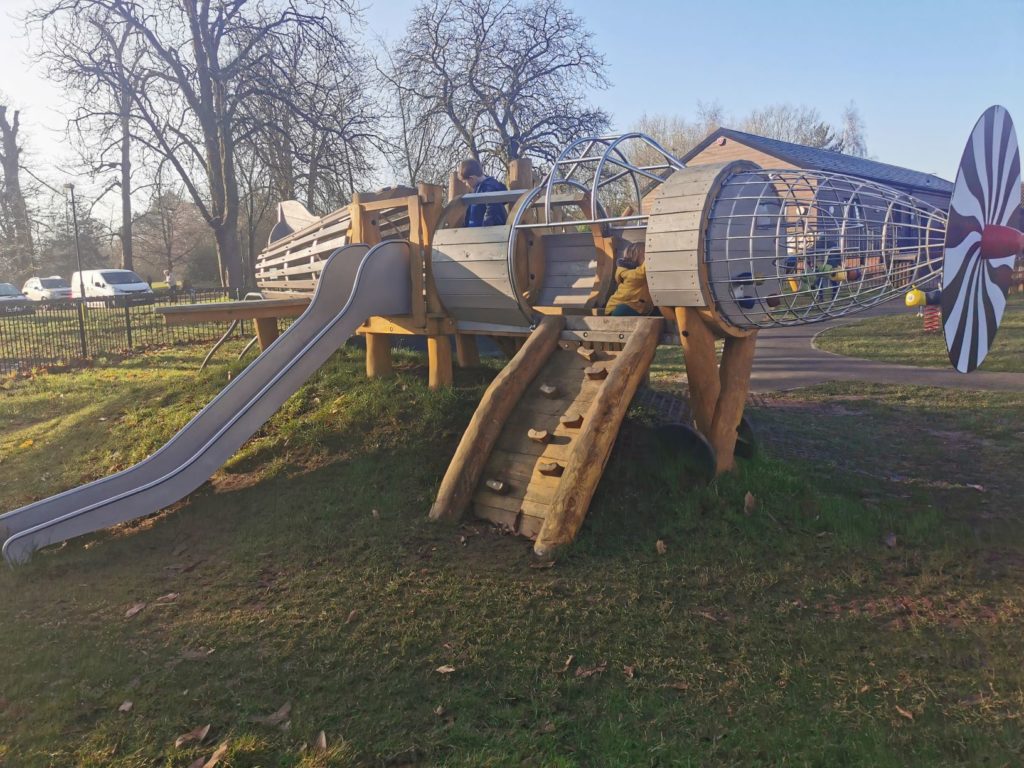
(593, 445)
(734, 374)
(701, 366)
(467, 465)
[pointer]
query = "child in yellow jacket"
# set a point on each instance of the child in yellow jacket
(631, 296)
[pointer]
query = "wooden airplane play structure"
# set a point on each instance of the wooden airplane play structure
(730, 249)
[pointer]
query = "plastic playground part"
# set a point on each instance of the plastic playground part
(980, 247)
(357, 282)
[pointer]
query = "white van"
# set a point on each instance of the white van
(119, 287)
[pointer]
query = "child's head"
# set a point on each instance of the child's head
(632, 257)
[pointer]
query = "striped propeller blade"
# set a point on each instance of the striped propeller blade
(987, 192)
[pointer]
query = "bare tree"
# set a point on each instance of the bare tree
(14, 217)
(423, 144)
(678, 134)
(796, 124)
(170, 231)
(851, 133)
(203, 64)
(99, 61)
(511, 78)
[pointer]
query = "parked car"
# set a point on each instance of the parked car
(13, 301)
(52, 288)
(117, 287)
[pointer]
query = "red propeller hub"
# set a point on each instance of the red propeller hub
(1001, 242)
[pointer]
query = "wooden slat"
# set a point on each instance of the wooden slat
(235, 310)
(471, 235)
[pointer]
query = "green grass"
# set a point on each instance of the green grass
(789, 635)
(901, 339)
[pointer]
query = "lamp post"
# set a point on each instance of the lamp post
(70, 188)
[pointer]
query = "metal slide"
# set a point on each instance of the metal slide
(356, 282)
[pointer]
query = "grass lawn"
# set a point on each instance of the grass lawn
(865, 610)
(901, 339)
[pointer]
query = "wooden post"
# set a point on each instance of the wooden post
(593, 446)
(478, 440)
(439, 353)
(266, 331)
(520, 174)
(431, 201)
(701, 366)
(378, 356)
(737, 360)
(466, 353)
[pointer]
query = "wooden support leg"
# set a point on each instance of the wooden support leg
(466, 353)
(439, 351)
(701, 366)
(266, 331)
(737, 359)
(378, 356)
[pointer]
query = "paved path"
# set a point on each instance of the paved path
(786, 359)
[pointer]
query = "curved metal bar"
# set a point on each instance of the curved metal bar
(632, 168)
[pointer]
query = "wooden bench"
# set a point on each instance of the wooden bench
(264, 314)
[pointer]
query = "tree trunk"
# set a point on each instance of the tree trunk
(10, 161)
(126, 187)
(229, 255)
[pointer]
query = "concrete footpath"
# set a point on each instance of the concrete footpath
(786, 359)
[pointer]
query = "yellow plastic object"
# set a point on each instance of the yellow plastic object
(915, 298)
(794, 286)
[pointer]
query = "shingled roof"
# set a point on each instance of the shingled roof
(827, 160)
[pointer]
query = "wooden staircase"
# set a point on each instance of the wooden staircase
(537, 446)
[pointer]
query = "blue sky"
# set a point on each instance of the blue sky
(919, 71)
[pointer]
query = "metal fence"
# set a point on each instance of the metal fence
(69, 332)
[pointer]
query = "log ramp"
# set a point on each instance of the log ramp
(533, 453)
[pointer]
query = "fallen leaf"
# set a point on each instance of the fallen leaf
(376, 514)
(27, 444)
(216, 756)
(275, 718)
(661, 547)
(749, 504)
(905, 712)
(440, 711)
(585, 672)
(320, 745)
(568, 663)
(864, 689)
(629, 670)
(352, 616)
(134, 610)
(547, 727)
(126, 707)
(708, 616)
(890, 540)
(445, 669)
(679, 686)
(197, 735)
(195, 654)
(170, 597)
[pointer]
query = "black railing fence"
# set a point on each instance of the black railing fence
(48, 333)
